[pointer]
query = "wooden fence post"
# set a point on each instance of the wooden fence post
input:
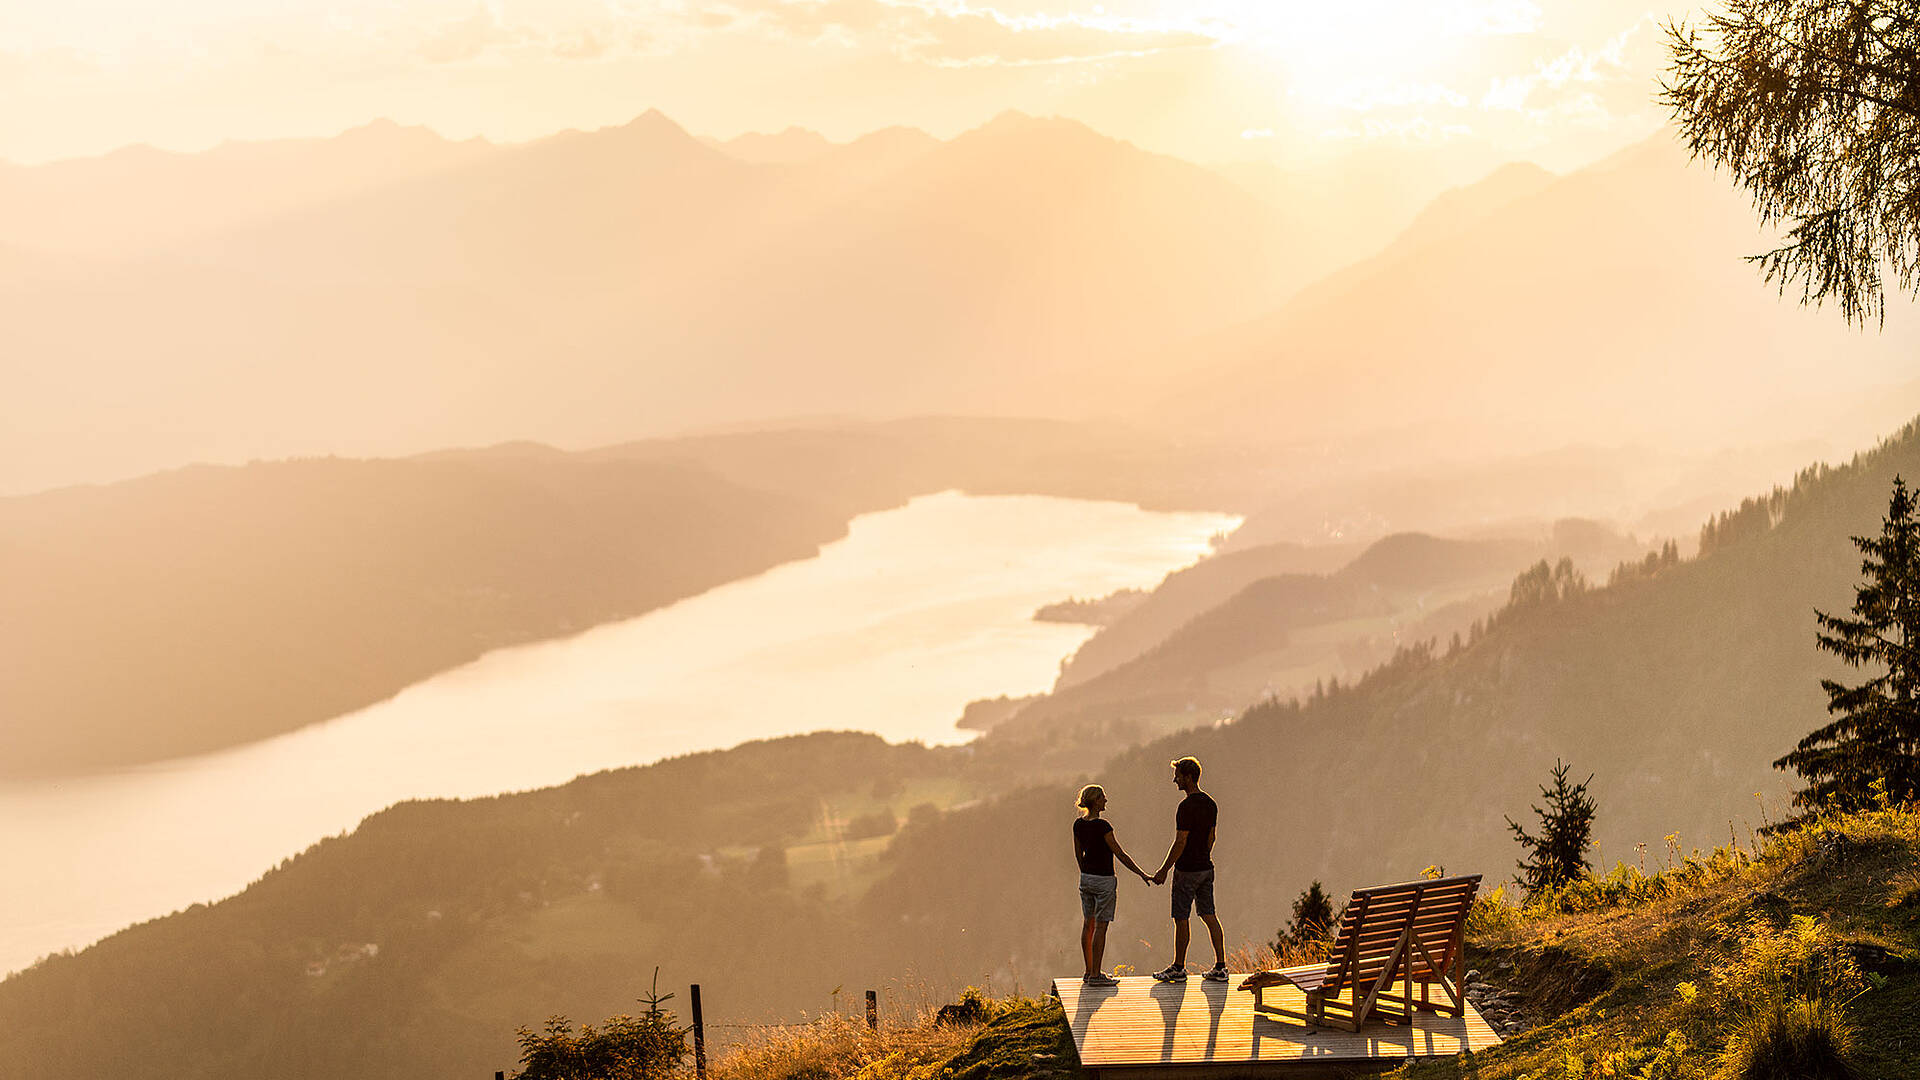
(873, 1010)
(699, 1036)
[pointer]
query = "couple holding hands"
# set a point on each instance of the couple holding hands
(1190, 859)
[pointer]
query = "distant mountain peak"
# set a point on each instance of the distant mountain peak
(794, 143)
(1015, 124)
(387, 129)
(654, 123)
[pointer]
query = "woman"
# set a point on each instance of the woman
(1095, 847)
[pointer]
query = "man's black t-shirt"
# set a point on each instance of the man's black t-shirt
(1197, 816)
(1090, 846)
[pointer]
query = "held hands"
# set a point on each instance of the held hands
(1160, 878)
(1144, 876)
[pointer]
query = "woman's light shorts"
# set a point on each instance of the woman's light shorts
(1098, 893)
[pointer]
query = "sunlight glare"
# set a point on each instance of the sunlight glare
(1337, 51)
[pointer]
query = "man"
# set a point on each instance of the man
(1191, 859)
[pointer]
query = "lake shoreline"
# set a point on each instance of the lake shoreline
(893, 630)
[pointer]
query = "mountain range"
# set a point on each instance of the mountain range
(593, 286)
(386, 292)
(1611, 305)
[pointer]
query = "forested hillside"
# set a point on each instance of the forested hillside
(415, 946)
(1222, 635)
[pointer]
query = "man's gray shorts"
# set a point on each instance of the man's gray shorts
(1098, 893)
(1191, 889)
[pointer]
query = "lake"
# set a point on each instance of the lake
(892, 630)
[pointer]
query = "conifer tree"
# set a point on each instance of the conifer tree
(1559, 854)
(1312, 916)
(1875, 733)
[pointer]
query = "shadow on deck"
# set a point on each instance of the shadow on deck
(1198, 1030)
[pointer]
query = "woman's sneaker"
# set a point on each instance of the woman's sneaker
(1099, 978)
(1216, 973)
(1171, 974)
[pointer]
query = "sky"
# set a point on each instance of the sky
(1559, 82)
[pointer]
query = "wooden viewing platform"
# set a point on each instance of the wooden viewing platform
(1199, 1030)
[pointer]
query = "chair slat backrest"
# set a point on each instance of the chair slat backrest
(1430, 914)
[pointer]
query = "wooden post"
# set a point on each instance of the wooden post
(873, 1010)
(699, 1036)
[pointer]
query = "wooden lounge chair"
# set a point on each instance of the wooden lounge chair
(1392, 939)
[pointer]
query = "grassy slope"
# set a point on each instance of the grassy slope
(1606, 976)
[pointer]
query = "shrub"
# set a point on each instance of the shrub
(1492, 916)
(626, 1048)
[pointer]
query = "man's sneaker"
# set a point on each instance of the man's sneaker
(1171, 974)
(1216, 973)
(1099, 978)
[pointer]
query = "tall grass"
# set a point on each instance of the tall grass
(838, 1047)
(1781, 1000)
(1794, 1039)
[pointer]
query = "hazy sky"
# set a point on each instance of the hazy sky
(1558, 81)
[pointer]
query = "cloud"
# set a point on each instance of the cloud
(1569, 85)
(1496, 17)
(985, 36)
(585, 45)
(956, 35)
(466, 38)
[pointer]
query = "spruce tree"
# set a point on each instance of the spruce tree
(1875, 734)
(1312, 917)
(1559, 854)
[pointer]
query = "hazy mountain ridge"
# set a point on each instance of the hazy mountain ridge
(1516, 331)
(591, 286)
(137, 198)
(1186, 593)
(1243, 636)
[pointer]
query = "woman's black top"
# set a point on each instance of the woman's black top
(1090, 846)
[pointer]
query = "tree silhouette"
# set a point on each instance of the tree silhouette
(1814, 107)
(1312, 917)
(1559, 854)
(1875, 734)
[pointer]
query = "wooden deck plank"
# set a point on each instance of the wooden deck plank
(1145, 1024)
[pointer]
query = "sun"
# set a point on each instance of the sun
(1331, 49)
